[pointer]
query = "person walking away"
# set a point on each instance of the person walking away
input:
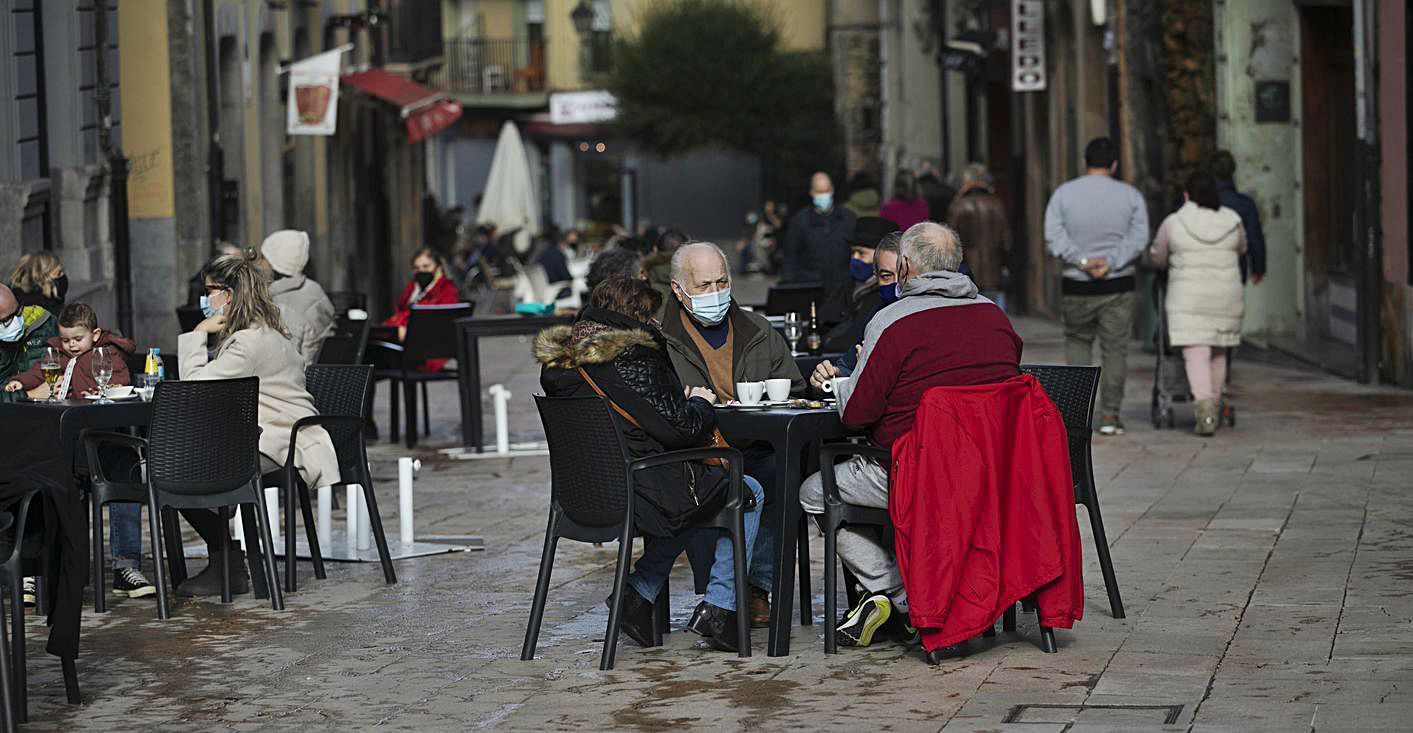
(1098, 227)
(817, 240)
(979, 216)
(306, 308)
(1253, 264)
(906, 208)
(612, 351)
(938, 192)
(902, 357)
(38, 279)
(864, 198)
(1201, 245)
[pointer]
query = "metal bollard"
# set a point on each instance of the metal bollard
(501, 395)
(351, 507)
(405, 467)
(324, 524)
(365, 530)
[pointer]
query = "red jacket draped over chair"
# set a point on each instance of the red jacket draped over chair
(983, 506)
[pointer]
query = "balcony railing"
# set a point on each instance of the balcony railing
(492, 66)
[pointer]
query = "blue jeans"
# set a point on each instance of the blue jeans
(651, 571)
(125, 534)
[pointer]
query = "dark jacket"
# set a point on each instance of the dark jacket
(18, 356)
(817, 247)
(1245, 207)
(628, 360)
(758, 351)
(979, 216)
(845, 318)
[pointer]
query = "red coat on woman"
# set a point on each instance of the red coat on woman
(441, 292)
(983, 506)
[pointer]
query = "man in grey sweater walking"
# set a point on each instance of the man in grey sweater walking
(1099, 227)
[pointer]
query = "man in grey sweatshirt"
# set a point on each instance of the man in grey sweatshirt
(1099, 227)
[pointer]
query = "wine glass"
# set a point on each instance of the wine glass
(102, 366)
(794, 329)
(50, 367)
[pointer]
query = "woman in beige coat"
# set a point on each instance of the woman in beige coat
(251, 343)
(1201, 244)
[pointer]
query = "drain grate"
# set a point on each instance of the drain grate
(1095, 714)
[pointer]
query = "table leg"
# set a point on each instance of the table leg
(471, 436)
(787, 518)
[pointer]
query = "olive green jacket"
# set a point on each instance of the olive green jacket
(758, 351)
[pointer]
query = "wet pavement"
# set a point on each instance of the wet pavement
(1266, 574)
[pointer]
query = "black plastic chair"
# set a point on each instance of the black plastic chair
(346, 300)
(8, 713)
(591, 500)
(104, 490)
(1073, 390)
(793, 298)
(21, 555)
(203, 452)
(339, 393)
(838, 514)
(346, 344)
(431, 334)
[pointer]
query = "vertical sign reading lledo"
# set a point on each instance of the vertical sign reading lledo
(1027, 45)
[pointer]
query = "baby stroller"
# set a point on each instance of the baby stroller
(1170, 374)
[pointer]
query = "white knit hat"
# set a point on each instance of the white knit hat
(287, 250)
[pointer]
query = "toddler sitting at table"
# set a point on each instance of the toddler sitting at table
(79, 335)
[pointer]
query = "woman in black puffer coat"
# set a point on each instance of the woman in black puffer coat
(627, 358)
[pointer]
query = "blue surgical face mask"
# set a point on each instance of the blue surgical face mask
(860, 270)
(823, 201)
(710, 308)
(12, 330)
(207, 309)
(888, 293)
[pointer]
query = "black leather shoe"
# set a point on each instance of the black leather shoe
(722, 625)
(698, 623)
(636, 620)
(208, 581)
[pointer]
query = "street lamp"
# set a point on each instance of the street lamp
(583, 17)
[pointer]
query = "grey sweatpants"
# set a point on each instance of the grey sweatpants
(865, 483)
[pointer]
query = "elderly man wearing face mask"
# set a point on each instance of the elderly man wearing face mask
(24, 332)
(713, 343)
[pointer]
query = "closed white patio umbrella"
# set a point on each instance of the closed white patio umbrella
(508, 201)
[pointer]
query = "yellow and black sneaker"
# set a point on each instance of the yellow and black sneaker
(863, 621)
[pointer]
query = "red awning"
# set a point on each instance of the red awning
(424, 111)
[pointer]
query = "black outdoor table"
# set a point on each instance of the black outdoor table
(789, 432)
(43, 439)
(469, 331)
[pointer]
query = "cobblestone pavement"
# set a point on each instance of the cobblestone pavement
(1266, 573)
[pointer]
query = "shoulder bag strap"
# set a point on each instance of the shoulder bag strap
(621, 412)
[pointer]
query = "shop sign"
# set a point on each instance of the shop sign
(1027, 45)
(577, 108)
(314, 94)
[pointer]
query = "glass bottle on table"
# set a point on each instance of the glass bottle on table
(794, 329)
(51, 368)
(102, 366)
(814, 343)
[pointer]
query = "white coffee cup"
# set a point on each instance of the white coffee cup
(750, 393)
(778, 389)
(832, 386)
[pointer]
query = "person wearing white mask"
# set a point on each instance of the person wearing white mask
(713, 343)
(816, 246)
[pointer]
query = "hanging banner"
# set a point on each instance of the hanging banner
(314, 94)
(1027, 45)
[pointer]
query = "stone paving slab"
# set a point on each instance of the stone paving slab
(1265, 574)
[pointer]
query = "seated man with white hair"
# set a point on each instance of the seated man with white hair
(939, 333)
(713, 343)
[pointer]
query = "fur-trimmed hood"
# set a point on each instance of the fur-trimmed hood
(587, 342)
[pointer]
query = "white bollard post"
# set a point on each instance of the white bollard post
(272, 511)
(351, 507)
(365, 531)
(405, 467)
(501, 395)
(324, 524)
(238, 532)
